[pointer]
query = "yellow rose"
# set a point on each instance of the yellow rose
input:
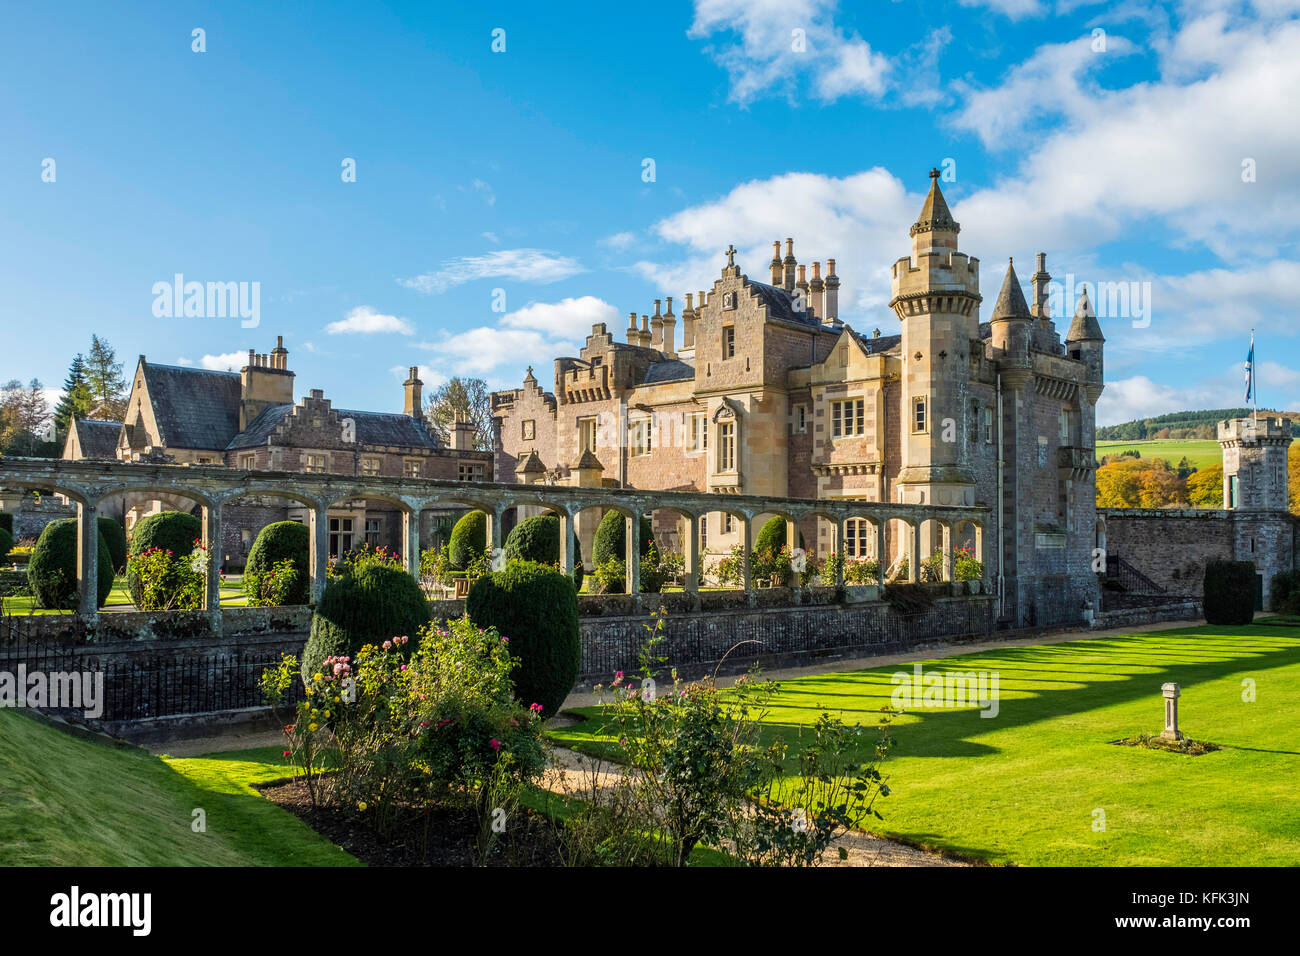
(311, 727)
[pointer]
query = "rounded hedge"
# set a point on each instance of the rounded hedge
(771, 537)
(172, 531)
(468, 540)
(283, 541)
(611, 538)
(538, 539)
(536, 608)
(6, 543)
(52, 570)
(115, 538)
(7, 522)
(368, 606)
(1229, 592)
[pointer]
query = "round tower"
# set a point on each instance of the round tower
(1084, 343)
(936, 298)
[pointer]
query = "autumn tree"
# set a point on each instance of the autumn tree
(462, 399)
(104, 381)
(1139, 483)
(24, 419)
(1205, 487)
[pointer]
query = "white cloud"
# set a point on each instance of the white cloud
(619, 241)
(522, 265)
(1014, 9)
(226, 362)
(482, 190)
(859, 220)
(756, 42)
(1138, 397)
(569, 318)
(491, 237)
(183, 362)
(364, 320)
(483, 349)
(1171, 149)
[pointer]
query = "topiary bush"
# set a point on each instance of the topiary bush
(468, 540)
(115, 538)
(367, 606)
(52, 571)
(280, 541)
(610, 540)
(172, 531)
(771, 537)
(6, 543)
(1229, 592)
(538, 539)
(536, 608)
(7, 522)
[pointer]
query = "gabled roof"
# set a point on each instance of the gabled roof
(874, 345)
(97, 439)
(1085, 327)
(1011, 302)
(778, 302)
(588, 459)
(530, 465)
(373, 428)
(194, 408)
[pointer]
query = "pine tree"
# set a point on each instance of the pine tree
(104, 381)
(76, 399)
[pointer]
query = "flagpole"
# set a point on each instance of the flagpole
(1254, 381)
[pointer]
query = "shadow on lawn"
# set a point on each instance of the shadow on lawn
(947, 731)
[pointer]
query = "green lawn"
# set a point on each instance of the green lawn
(70, 802)
(119, 598)
(1022, 787)
(1199, 452)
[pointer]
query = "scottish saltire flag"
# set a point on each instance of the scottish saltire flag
(1250, 367)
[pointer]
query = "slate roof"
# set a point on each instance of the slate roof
(373, 428)
(779, 305)
(194, 408)
(1085, 326)
(935, 214)
(669, 370)
(97, 440)
(1011, 300)
(884, 343)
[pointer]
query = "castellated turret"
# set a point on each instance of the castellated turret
(1083, 343)
(936, 298)
(1255, 463)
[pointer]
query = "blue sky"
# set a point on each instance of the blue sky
(1120, 154)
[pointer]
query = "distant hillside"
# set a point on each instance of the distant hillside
(1176, 425)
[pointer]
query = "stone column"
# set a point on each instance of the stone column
(494, 530)
(212, 541)
(88, 559)
(1171, 694)
(692, 555)
(746, 546)
(837, 549)
(914, 559)
(882, 555)
(411, 535)
(318, 524)
(567, 539)
(632, 555)
(946, 531)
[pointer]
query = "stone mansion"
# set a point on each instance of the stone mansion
(768, 392)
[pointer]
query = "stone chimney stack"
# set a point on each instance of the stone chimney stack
(688, 324)
(801, 288)
(777, 271)
(633, 335)
(265, 381)
(832, 316)
(462, 436)
(414, 404)
(643, 339)
(787, 282)
(1041, 308)
(657, 328)
(667, 342)
(816, 290)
